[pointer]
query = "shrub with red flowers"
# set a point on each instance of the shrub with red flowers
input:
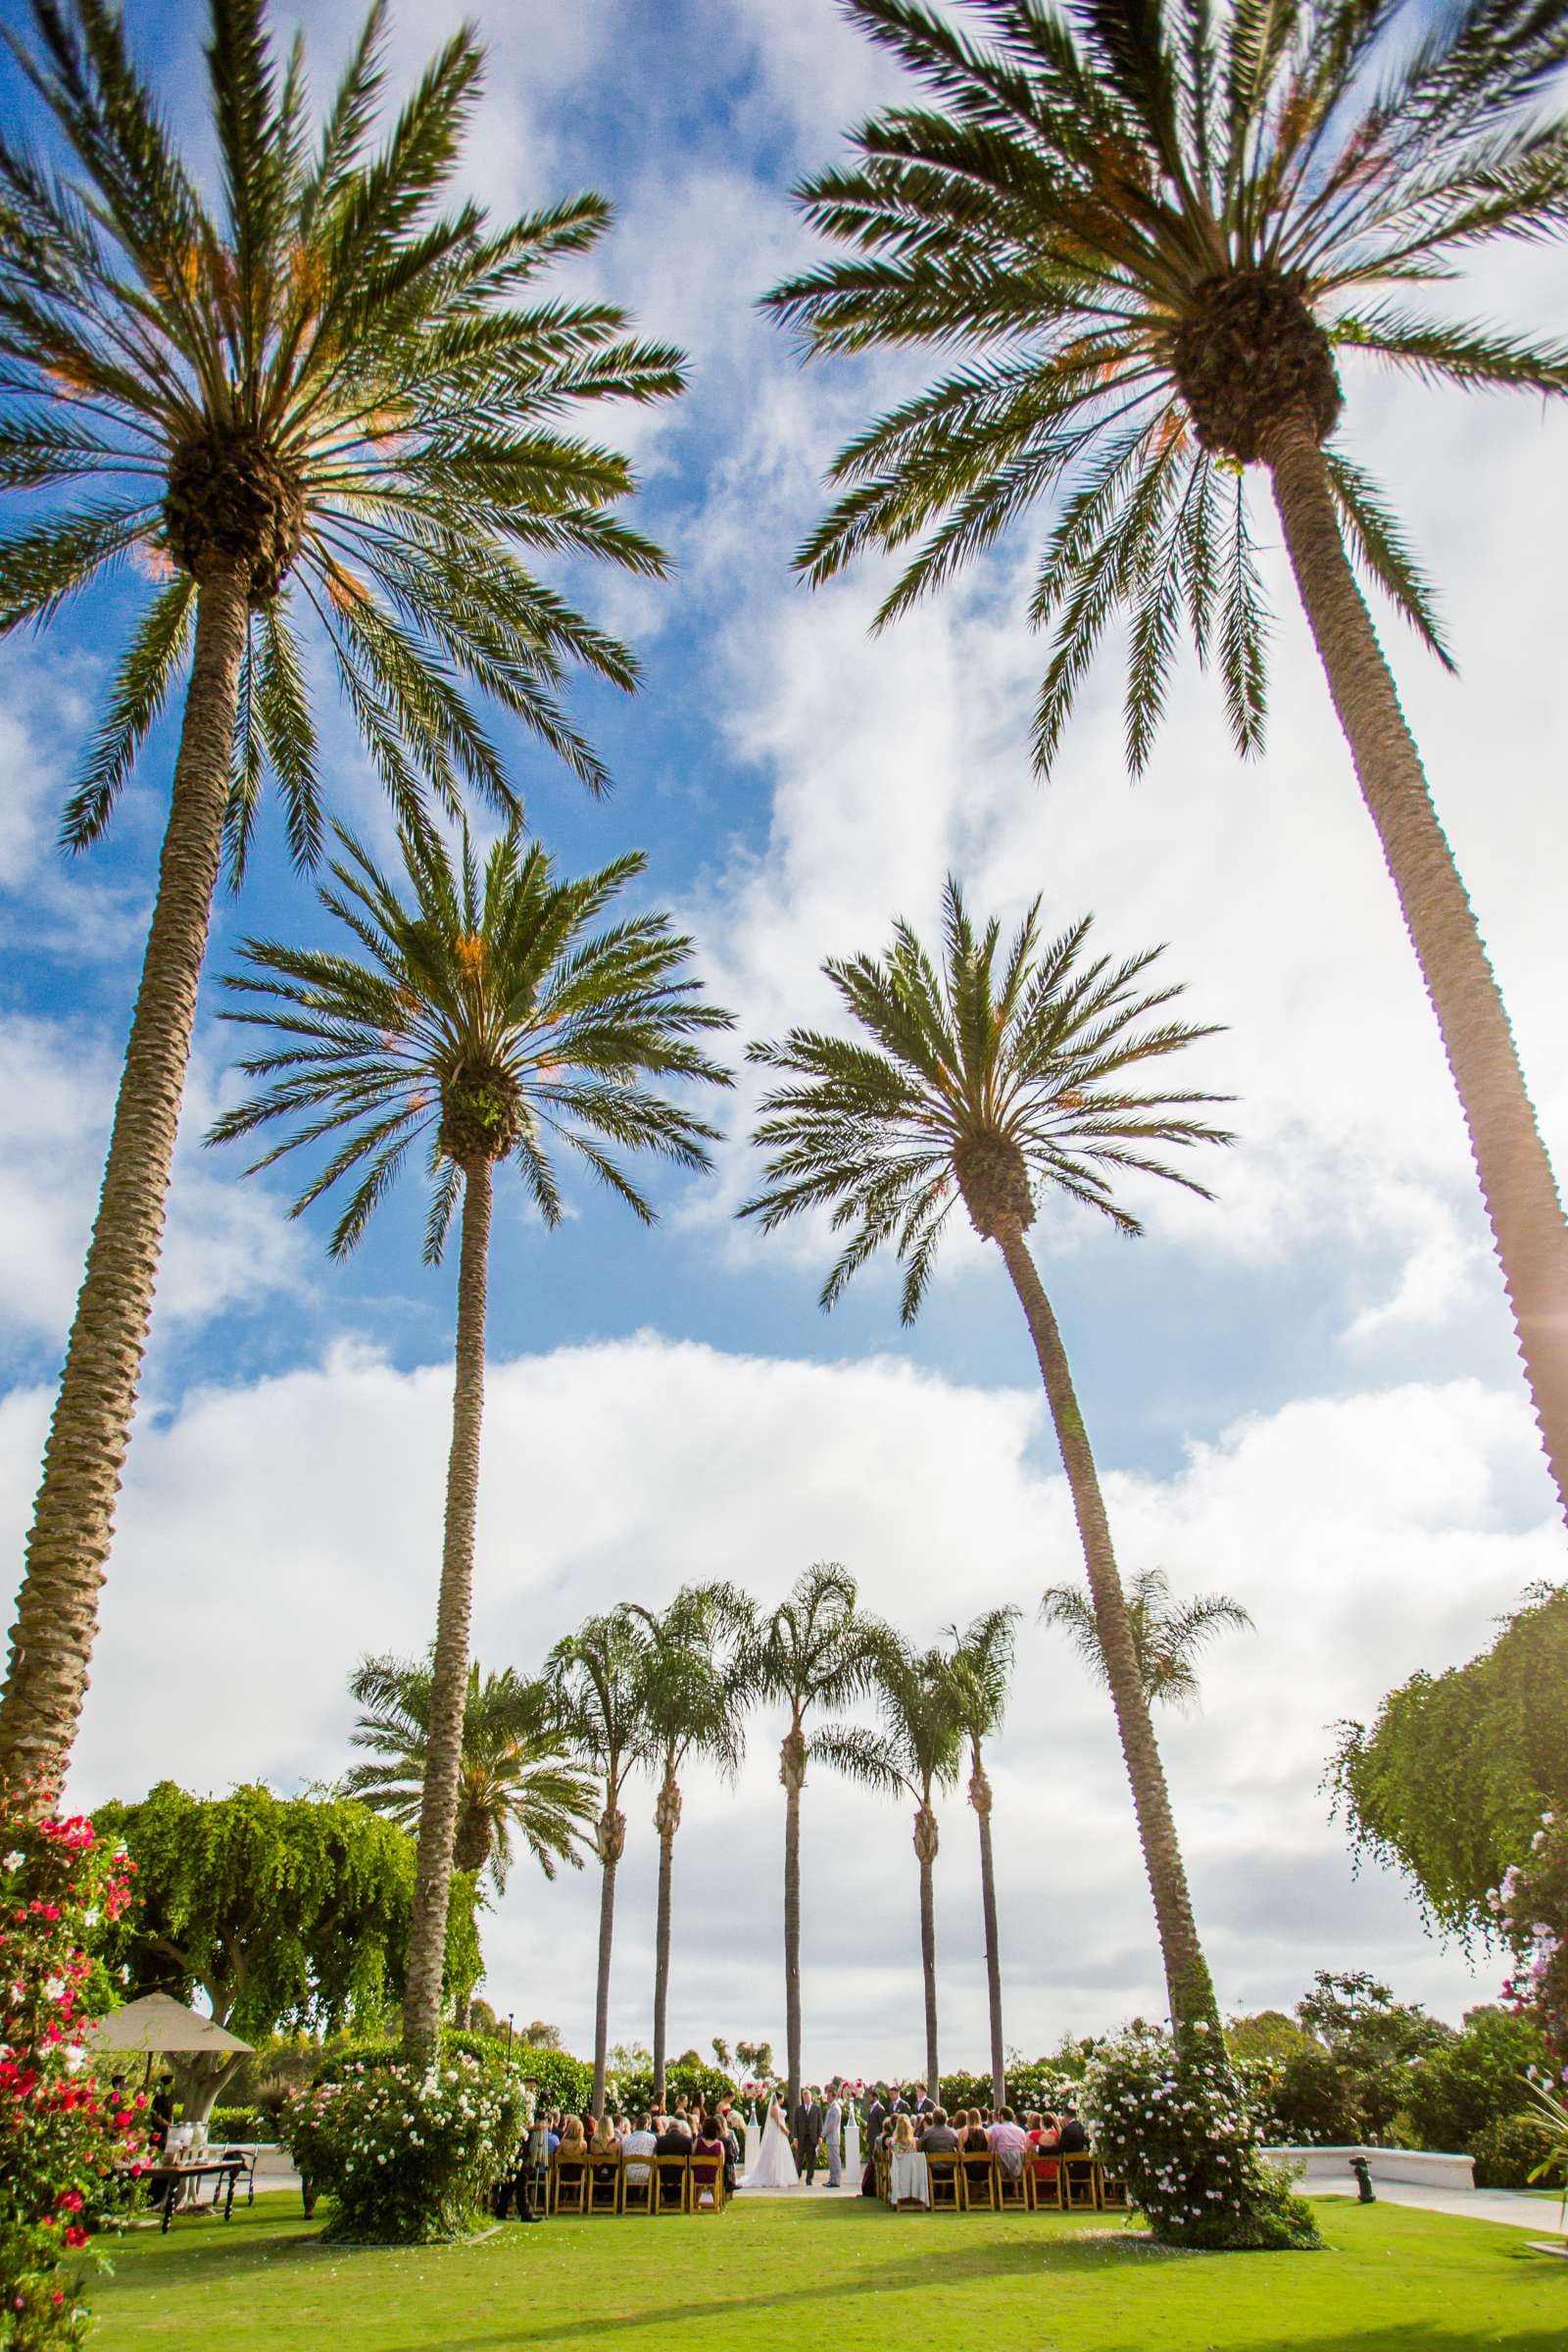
(63, 2133)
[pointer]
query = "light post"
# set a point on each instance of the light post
(508, 2032)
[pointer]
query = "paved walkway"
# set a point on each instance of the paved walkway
(1515, 2206)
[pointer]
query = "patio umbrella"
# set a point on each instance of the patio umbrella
(158, 2022)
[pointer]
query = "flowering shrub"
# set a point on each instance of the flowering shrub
(61, 2131)
(409, 2153)
(1531, 1908)
(1179, 2131)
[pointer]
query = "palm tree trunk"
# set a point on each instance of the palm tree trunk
(980, 1798)
(926, 1849)
(792, 1772)
(1517, 1186)
(609, 1839)
(1188, 1982)
(74, 1515)
(667, 1821)
(449, 1677)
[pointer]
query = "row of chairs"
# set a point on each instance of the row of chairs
(650, 2184)
(1077, 2184)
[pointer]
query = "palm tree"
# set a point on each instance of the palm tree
(997, 1089)
(978, 1672)
(485, 1018)
(600, 1681)
(692, 1703)
(1168, 1636)
(1151, 228)
(812, 1652)
(516, 1774)
(329, 403)
(915, 1753)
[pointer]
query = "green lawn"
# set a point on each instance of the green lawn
(780, 2276)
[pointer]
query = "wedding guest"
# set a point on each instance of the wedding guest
(939, 2139)
(710, 2152)
(674, 2139)
(1008, 2144)
(876, 2115)
(922, 2103)
(637, 2147)
(1072, 2140)
(904, 2140)
(976, 2145)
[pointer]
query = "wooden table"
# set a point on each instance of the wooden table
(174, 2178)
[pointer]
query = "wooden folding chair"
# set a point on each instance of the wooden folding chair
(568, 2191)
(979, 2184)
(947, 2183)
(1080, 2192)
(1043, 2184)
(1113, 2197)
(637, 2196)
(603, 2185)
(1013, 2196)
(672, 2171)
(707, 2181)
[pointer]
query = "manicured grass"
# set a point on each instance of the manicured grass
(786, 2277)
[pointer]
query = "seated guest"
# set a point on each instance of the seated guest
(1072, 2140)
(673, 2140)
(903, 2139)
(572, 2153)
(605, 2142)
(939, 2139)
(638, 2146)
(1008, 2144)
(975, 2145)
(709, 2154)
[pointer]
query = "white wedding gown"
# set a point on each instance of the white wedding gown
(775, 2163)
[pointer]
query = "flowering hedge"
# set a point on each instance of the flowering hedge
(1531, 1908)
(61, 2131)
(1178, 2130)
(409, 2153)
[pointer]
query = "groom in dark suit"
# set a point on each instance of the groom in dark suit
(808, 2134)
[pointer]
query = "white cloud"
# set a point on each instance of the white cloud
(270, 1534)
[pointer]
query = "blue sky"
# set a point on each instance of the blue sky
(1305, 1394)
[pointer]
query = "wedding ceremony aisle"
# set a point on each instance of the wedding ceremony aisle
(794, 2272)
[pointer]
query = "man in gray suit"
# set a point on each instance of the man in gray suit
(832, 2135)
(808, 2134)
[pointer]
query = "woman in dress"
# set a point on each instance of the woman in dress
(775, 2161)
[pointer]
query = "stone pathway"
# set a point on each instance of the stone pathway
(1515, 2206)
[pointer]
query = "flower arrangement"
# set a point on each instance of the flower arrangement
(409, 2153)
(1176, 2127)
(62, 2132)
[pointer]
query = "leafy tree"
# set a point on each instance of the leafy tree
(287, 1912)
(995, 1089)
(755, 2058)
(978, 1673)
(516, 1773)
(812, 1652)
(720, 2050)
(1168, 1636)
(692, 1704)
(1449, 1783)
(1372, 2040)
(1267, 2038)
(597, 1676)
(916, 1751)
(538, 2034)
(1147, 229)
(1458, 2091)
(485, 1018)
(331, 404)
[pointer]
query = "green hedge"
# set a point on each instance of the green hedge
(239, 2122)
(634, 2093)
(1508, 2150)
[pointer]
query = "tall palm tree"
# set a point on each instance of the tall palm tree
(327, 402)
(812, 1652)
(979, 1669)
(1151, 225)
(484, 1016)
(598, 1675)
(693, 1703)
(917, 1752)
(516, 1775)
(1169, 1635)
(997, 1089)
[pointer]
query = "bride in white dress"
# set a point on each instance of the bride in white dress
(775, 2163)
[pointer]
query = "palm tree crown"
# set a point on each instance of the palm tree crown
(918, 1747)
(990, 1085)
(1154, 225)
(1169, 1634)
(516, 1772)
(814, 1649)
(481, 1018)
(331, 384)
(690, 1688)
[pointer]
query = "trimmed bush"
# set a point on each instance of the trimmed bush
(408, 2153)
(1508, 2152)
(1177, 2128)
(238, 2123)
(634, 2093)
(1459, 2091)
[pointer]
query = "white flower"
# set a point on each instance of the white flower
(15, 1858)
